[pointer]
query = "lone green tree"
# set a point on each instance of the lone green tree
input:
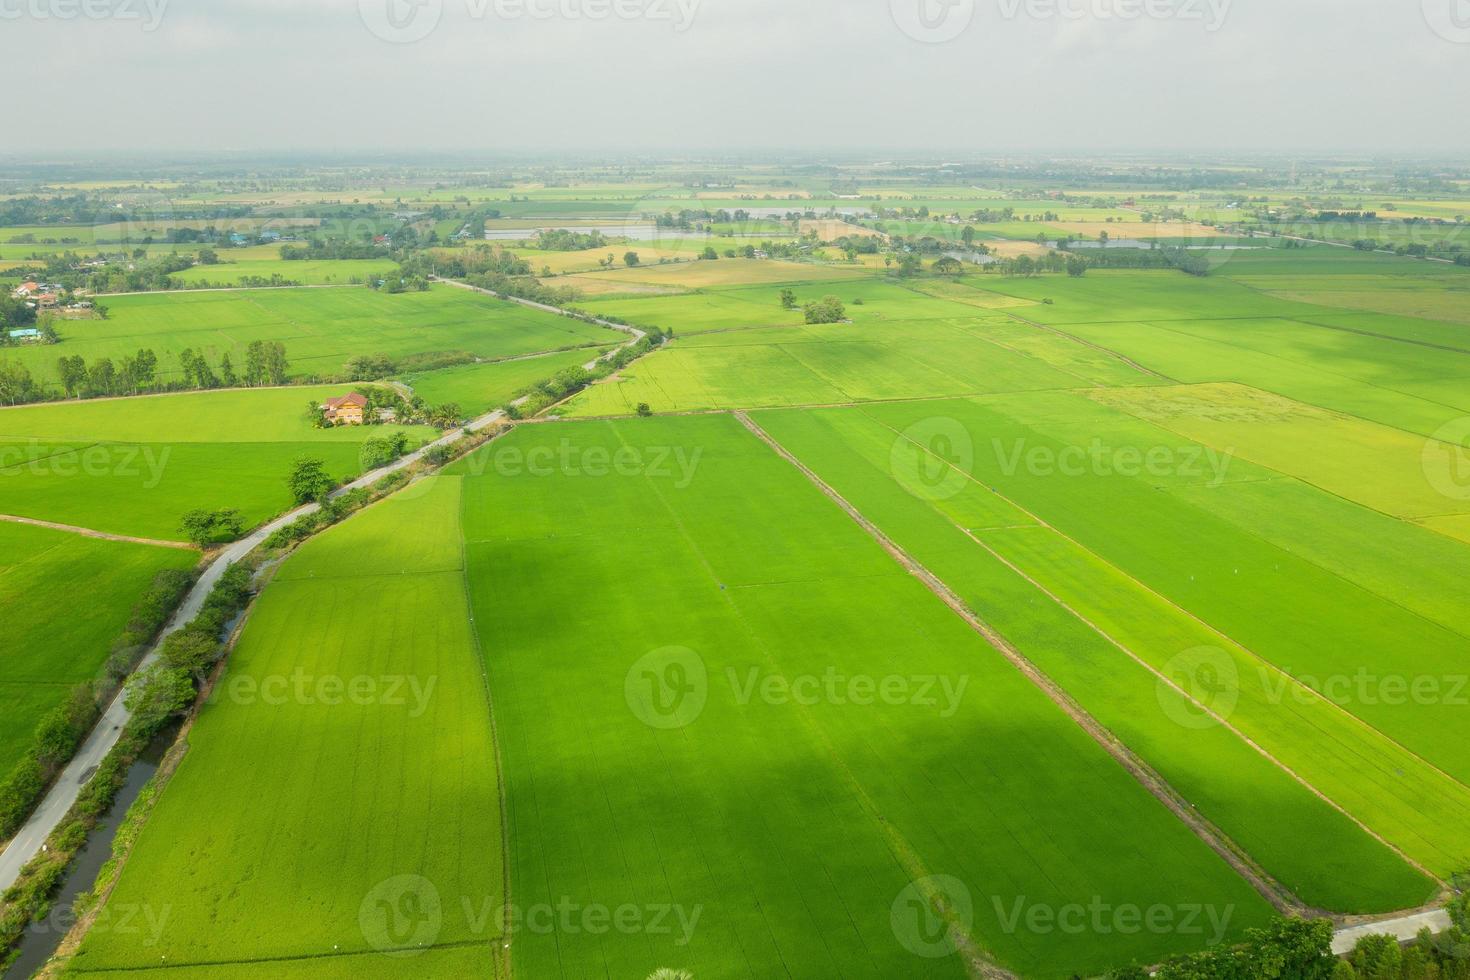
(204, 527)
(309, 480)
(828, 309)
(788, 299)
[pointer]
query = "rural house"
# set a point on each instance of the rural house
(26, 290)
(347, 410)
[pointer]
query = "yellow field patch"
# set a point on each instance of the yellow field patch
(589, 260)
(1429, 303)
(959, 292)
(1377, 466)
(1456, 526)
(730, 272)
(831, 229)
(610, 286)
(1011, 250)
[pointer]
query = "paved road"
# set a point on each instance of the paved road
(1404, 928)
(63, 795)
(620, 327)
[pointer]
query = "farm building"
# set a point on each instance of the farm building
(26, 290)
(29, 335)
(347, 410)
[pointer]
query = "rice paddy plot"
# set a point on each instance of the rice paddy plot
(794, 829)
(1081, 640)
(1371, 464)
(304, 272)
(66, 598)
(340, 791)
(136, 466)
(477, 388)
(1296, 616)
(861, 361)
(321, 328)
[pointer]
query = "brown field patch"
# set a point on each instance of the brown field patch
(830, 229)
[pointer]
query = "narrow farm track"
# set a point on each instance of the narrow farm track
(87, 532)
(1213, 837)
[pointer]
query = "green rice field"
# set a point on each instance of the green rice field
(322, 329)
(879, 648)
(136, 466)
(355, 700)
(43, 655)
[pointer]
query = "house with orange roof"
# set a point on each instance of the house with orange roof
(347, 410)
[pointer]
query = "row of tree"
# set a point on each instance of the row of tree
(1301, 949)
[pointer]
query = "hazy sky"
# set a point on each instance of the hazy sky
(733, 75)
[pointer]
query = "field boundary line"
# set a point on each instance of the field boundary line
(303, 958)
(88, 532)
(1230, 852)
(232, 289)
(1282, 475)
(977, 959)
(1227, 638)
(1217, 718)
(1331, 410)
(1261, 661)
(1045, 328)
(502, 951)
